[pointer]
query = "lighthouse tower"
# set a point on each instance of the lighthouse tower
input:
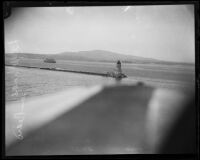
(119, 69)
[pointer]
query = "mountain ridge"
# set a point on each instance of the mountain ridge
(92, 55)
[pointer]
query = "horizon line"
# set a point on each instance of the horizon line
(156, 59)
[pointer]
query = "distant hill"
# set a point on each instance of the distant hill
(93, 55)
(101, 55)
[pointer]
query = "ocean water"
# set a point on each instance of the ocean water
(20, 82)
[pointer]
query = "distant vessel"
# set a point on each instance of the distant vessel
(118, 73)
(49, 60)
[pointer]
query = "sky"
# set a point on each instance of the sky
(164, 32)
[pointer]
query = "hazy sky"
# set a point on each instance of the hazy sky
(163, 32)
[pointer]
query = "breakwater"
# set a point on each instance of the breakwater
(60, 69)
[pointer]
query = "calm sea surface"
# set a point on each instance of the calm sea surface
(20, 82)
(35, 82)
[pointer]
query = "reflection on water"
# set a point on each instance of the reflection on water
(118, 80)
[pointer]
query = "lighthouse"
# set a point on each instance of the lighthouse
(119, 67)
(118, 72)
